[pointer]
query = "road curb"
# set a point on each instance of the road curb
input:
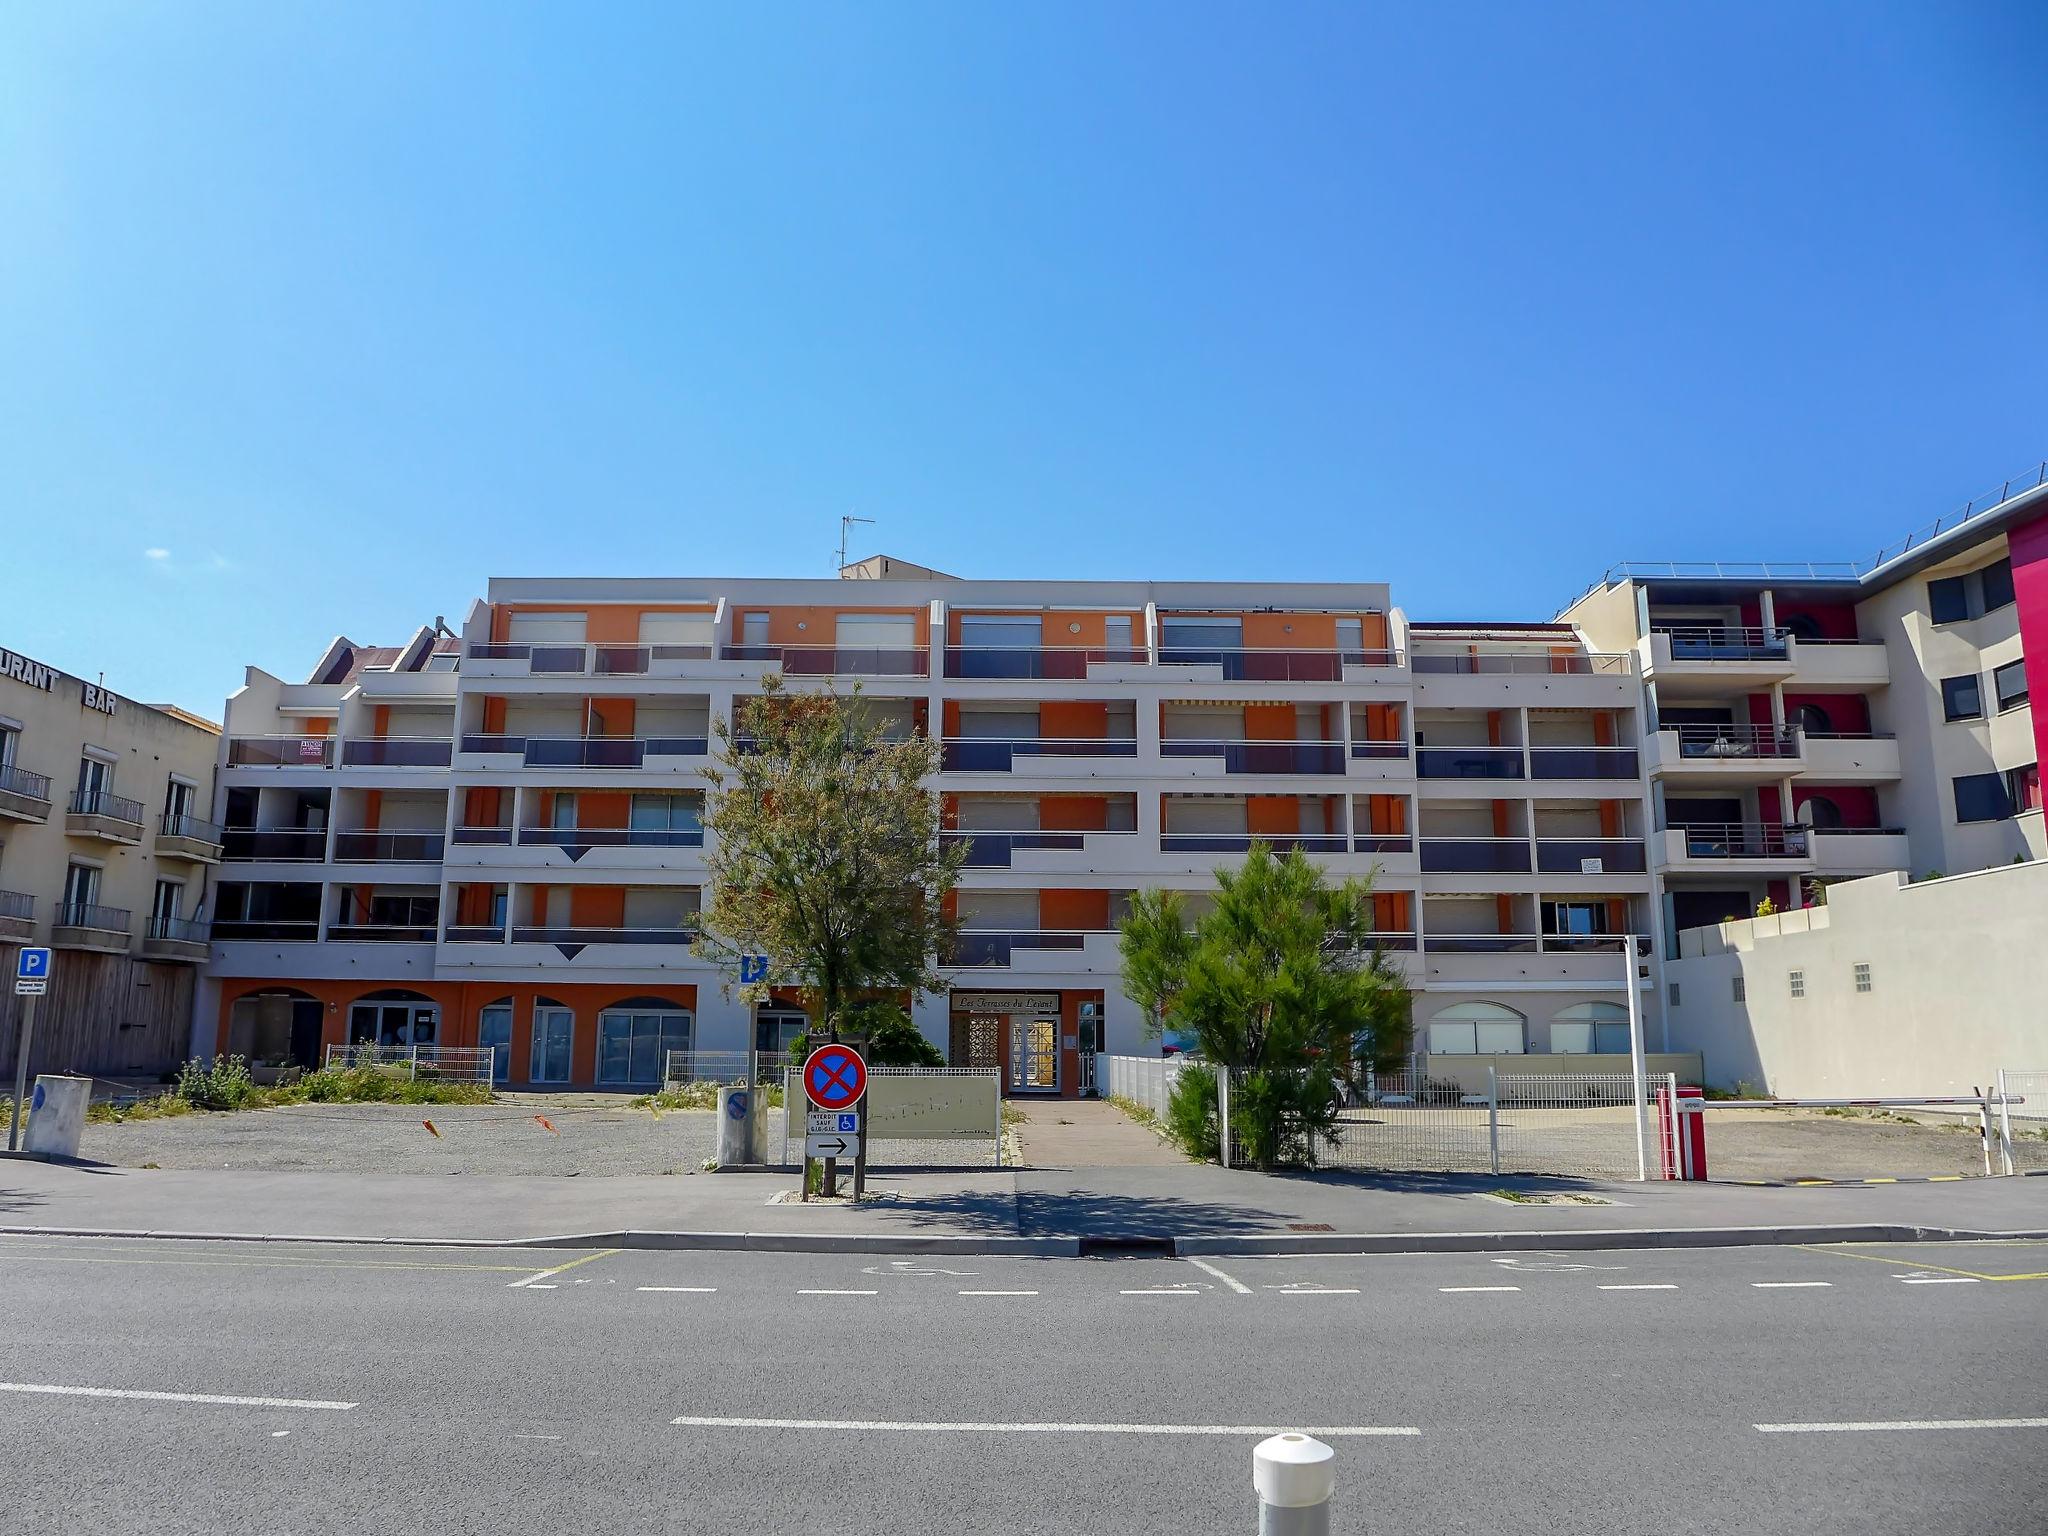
(1116, 1245)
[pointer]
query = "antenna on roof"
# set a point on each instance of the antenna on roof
(846, 528)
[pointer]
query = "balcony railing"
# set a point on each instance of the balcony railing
(1240, 664)
(1374, 749)
(1263, 756)
(1241, 842)
(19, 905)
(569, 935)
(1743, 840)
(381, 933)
(105, 803)
(280, 751)
(388, 847)
(988, 754)
(473, 933)
(611, 837)
(397, 751)
(1383, 842)
(1714, 741)
(1724, 642)
(84, 914)
(1568, 855)
(1520, 663)
(268, 930)
(1584, 763)
(179, 930)
(291, 845)
(191, 828)
(1468, 762)
(572, 659)
(837, 660)
(992, 850)
(1475, 855)
(997, 948)
(1055, 661)
(19, 781)
(1527, 943)
(586, 751)
(484, 836)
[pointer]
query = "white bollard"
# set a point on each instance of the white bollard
(1295, 1475)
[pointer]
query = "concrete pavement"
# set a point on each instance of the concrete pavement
(315, 1390)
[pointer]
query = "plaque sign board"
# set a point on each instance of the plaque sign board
(1006, 1002)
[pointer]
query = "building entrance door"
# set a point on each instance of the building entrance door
(1034, 1054)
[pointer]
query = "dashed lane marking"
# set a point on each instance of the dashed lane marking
(1159, 1291)
(1937, 1279)
(999, 1293)
(838, 1293)
(1460, 1290)
(211, 1399)
(1638, 1287)
(694, 1290)
(1899, 1424)
(532, 1282)
(1791, 1285)
(925, 1427)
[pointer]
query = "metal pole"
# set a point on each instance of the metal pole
(2004, 1123)
(1984, 1125)
(1223, 1114)
(1294, 1476)
(1493, 1117)
(755, 1121)
(1637, 1066)
(1680, 1168)
(23, 1037)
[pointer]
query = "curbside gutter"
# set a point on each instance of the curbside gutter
(1122, 1245)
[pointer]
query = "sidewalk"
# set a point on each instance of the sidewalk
(1190, 1208)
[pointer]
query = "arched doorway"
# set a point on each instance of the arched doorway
(634, 1039)
(1820, 813)
(1813, 720)
(394, 1020)
(1597, 1029)
(554, 1042)
(1478, 1029)
(275, 1029)
(494, 1034)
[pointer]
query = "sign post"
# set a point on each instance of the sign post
(31, 980)
(835, 1079)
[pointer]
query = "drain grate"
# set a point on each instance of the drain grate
(1310, 1226)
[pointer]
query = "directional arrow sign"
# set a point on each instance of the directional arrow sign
(835, 1145)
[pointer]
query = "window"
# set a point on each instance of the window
(776, 1029)
(1673, 989)
(753, 629)
(1116, 635)
(2009, 684)
(10, 741)
(1477, 1029)
(1199, 635)
(665, 819)
(163, 907)
(1578, 917)
(1951, 599)
(1983, 797)
(1798, 980)
(2023, 788)
(81, 890)
(444, 661)
(95, 779)
(394, 1021)
(1862, 976)
(1590, 1029)
(1741, 989)
(1962, 698)
(633, 1042)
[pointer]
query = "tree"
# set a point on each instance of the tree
(893, 1040)
(1282, 986)
(825, 853)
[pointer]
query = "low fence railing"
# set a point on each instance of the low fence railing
(456, 1063)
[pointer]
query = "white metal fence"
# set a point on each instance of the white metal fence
(1146, 1081)
(2024, 1126)
(685, 1067)
(451, 1063)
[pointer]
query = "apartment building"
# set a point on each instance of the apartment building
(107, 851)
(1811, 723)
(495, 838)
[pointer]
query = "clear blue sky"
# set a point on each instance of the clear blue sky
(313, 317)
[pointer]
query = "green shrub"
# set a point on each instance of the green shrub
(222, 1084)
(893, 1040)
(1279, 1117)
(1191, 1113)
(378, 1085)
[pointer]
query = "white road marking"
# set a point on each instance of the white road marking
(909, 1426)
(839, 1293)
(1881, 1424)
(280, 1434)
(1935, 1280)
(536, 1437)
(1638, 1287)
(1791, 1285)
(174, 1397)
(999, 1293)
(529, 1285)
(693, 1290)
(1327, 1290)
(1159, 1291)
(1216, 1274)
(1459, 1290)
(532, 1281)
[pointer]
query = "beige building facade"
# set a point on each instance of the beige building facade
(107, 855)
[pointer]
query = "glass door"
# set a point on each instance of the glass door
(1034, 1054)
(554, 1032)
(494, 1034)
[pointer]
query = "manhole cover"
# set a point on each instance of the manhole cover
(1310, 1226)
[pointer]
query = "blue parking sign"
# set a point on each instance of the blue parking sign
(753, 970)
(32, 965)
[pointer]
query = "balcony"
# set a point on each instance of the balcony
(995, 850)
(82, 925)
(1718, 655)
(188, 838)
(835, 660)
(266, 930)
(606, 837)
(1069, 662)
(1845, 664)
(1584, 763)
(17, 915)
(381, 933)
(1493, 679)
(1860, 850)
(1721, 845)
(1468, 762)
(105, 816)
(1240, 664)
(584, 936)
(1263, 757)
(274, 845)
(1853, 759)
(397, 752)
(24, 796)
(1241, 842)
(586, 751)
(1722, 751)
(997, 949)
(989, 754)
(175, 938)
(1524, 663)
(571, 659)
(280, 751)
(483, 837)
(1475, 855)
(387, 847)
(1575, 855)
(1488, 959)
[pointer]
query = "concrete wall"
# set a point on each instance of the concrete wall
(1958, 971)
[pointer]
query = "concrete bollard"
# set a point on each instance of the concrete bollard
(1295, 1475)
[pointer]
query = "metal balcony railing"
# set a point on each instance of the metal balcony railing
(565, 658)
(1375, 749)
(1257, 665)
(989, 754)
(1468, 762)
(1733, 741)
(19, 905)
(19, 781)
(612, 837)
(1744, 840)
(486, 836)
(997, 948)
(1383, 842)
(179, 930)
(388, 847)
(837, 660)
(1568, 855)
(397, 751)
(280, 751)
(1241, 842)
(381, 933)
(1482, 943)
(1263, 756)
(104, 802)
(85, 914)
(527, 934)
(993, 850)
(1475, 855)
(293, 845)
(1054, 661)
(1584, 763)
(584, 751)
(269, 930)
(191, 828)
(1524, 663)
(1725, 642)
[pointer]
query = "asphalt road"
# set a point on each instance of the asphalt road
(493, 1390)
